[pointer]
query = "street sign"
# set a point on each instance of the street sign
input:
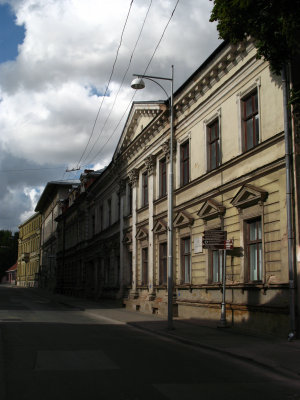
(217, 240)
(215, 234)
(229, 244)
(198, 244)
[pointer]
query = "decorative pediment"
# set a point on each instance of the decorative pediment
(248, 196)
(183, 218)
(142, 234)
(140, 116)
(211, 209)
(127, 239)
(160, 226)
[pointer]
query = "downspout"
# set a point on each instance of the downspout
(289, 206)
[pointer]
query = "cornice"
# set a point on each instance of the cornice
(212, 75)
(238, 182)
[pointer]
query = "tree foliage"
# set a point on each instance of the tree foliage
(273, 24)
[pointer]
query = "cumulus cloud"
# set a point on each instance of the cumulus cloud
(50, 94)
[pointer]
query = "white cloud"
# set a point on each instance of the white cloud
(47, 110)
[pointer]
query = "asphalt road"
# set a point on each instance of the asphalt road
(54, 351)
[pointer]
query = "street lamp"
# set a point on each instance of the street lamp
(137, 84)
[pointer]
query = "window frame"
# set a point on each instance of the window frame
(183, 255)
(163, 263)
(252, 116)
(130, 196)
(220, 254)
(184, 163)
(163, 177)
(109, 212)
(144, 266)
(101, 217)
(145, 189)
(210, 143)
(258, 243)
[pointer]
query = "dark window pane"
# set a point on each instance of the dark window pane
(250, 121)
(249, 106)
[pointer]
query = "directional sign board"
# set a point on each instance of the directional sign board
(214, 239)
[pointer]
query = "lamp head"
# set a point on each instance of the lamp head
(138, 83)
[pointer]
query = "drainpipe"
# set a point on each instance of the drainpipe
(289, 206)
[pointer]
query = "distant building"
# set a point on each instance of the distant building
(11, 274)
(29, 251)
(50, 206)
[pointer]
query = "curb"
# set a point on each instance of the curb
(287, 373)
(277, 370)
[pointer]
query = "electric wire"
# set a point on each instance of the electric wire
(109, 80)
(28, 169)
(146, 69)
(121, 85)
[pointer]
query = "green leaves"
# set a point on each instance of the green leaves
(273, 24)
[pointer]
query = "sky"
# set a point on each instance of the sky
(65, 73)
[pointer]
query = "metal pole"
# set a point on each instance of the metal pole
(289, 204)
(170, 190)
(170, 214)
(223, 307)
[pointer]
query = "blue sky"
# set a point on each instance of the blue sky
(10, 34)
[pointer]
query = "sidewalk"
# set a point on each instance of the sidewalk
(277, 355)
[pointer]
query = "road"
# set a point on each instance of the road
(55, 351)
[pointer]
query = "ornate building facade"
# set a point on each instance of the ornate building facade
(229, 175)
(29, 252)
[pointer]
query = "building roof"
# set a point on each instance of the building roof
(50, 189)
(13, 268)
(34, 215)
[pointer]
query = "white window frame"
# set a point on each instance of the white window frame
(215, 116)
(239, 97)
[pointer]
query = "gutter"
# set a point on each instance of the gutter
(289, 204)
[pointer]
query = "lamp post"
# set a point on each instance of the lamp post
(138, 83)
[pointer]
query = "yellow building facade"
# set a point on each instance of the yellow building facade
(229, 175)
(29, 252)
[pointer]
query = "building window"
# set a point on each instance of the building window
(163, 264)
(144, 265)
(101, 217)
(184, 163)
(216, 262)
(185, 260)
(109, 211)
(107, 271)
(130, 199)
(119, 206)
(130, 268)
(250, 121)
(254, 249)
(145, 189)
(213, 145)
(93, 224)
(162, 177)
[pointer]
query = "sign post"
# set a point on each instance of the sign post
(217, 240)
(223, 307)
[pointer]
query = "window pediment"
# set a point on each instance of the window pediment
(248, 196)
(142, 234)
(160, 226)
(183, 218)
(127, 239)
(211, 209)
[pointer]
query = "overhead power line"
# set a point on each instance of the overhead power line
(147, 67)
(111, 74)
(121, 85)
(29, 169)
